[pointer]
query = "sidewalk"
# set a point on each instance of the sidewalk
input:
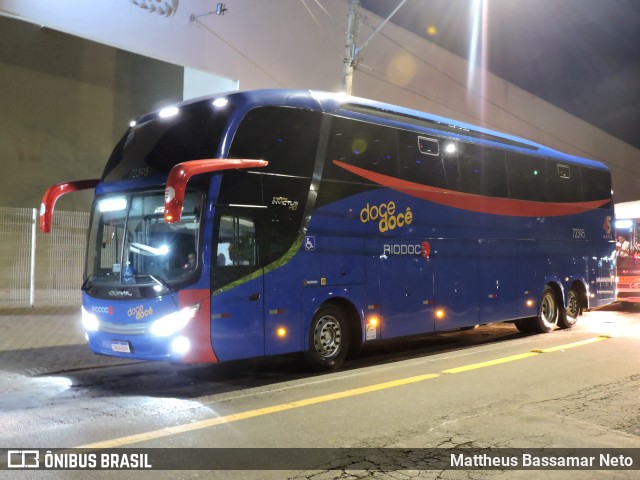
(36, 341)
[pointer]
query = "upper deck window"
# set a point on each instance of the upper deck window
(364, 145)
(161, 141)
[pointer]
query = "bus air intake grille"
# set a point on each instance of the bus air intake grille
(124, 329)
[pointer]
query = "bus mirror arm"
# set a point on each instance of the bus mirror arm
(56, 191)
(182, 172)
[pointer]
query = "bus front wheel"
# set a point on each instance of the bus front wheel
(328, 338)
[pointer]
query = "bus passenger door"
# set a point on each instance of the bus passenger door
(237, 325)
(406, 288)
(455, 283)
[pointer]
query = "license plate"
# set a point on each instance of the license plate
(122, 347)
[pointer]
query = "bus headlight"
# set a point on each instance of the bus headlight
(89, 321)
(174, 322)
(180, 345)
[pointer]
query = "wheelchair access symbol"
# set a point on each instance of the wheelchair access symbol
(309, 243)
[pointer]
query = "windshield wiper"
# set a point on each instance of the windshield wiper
(157, 280)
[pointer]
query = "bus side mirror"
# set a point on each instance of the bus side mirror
(182, 172)
(56, 191)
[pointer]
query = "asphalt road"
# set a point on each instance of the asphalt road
(482, 389)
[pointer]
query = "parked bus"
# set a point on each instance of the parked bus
(628, 252)
(268, 222)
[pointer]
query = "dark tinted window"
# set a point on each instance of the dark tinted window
(286, 137)
(157, 144)
(470, 169)
(420, 159)
(596, 184)
(527, 177)
(450, 165)
(280, 224)
(564, 182)
(482, 170)
(277, 194)
(494, 172)
(364, 145)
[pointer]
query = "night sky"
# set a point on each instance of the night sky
(580, 55)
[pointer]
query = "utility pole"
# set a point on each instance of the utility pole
(350, 54)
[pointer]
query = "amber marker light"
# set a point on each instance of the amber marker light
(281, 332)
(530, 303)
(440, 313)
(374, 321)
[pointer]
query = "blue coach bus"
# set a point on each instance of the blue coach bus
(276, 221)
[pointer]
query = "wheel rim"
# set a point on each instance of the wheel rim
(327, 337)
(548, 310)
(573, 307)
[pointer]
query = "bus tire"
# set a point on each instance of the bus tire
(570, 315)
(548, 311)
(328, 338)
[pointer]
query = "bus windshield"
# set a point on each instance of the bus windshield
(131, 245)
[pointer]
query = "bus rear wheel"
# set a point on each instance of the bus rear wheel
(328, 338)
(548, 311)
(574, 308)
(548, 314)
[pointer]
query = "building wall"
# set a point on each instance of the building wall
(65, 102)
(281, 44)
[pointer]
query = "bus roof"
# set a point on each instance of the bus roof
(401, 117)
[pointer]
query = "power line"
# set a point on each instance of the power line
(490, 102)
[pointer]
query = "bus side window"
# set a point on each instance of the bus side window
(470, 168)
(527, 177)
(494, 172)
(419, 157)
(236, 253)
(596, 185)
(564, 182)
(364, 145)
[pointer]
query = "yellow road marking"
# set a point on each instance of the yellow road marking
(143, 437)
(212, 422)
(489, 363)
(571, 345)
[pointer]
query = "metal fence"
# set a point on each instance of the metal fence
(41, 269)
